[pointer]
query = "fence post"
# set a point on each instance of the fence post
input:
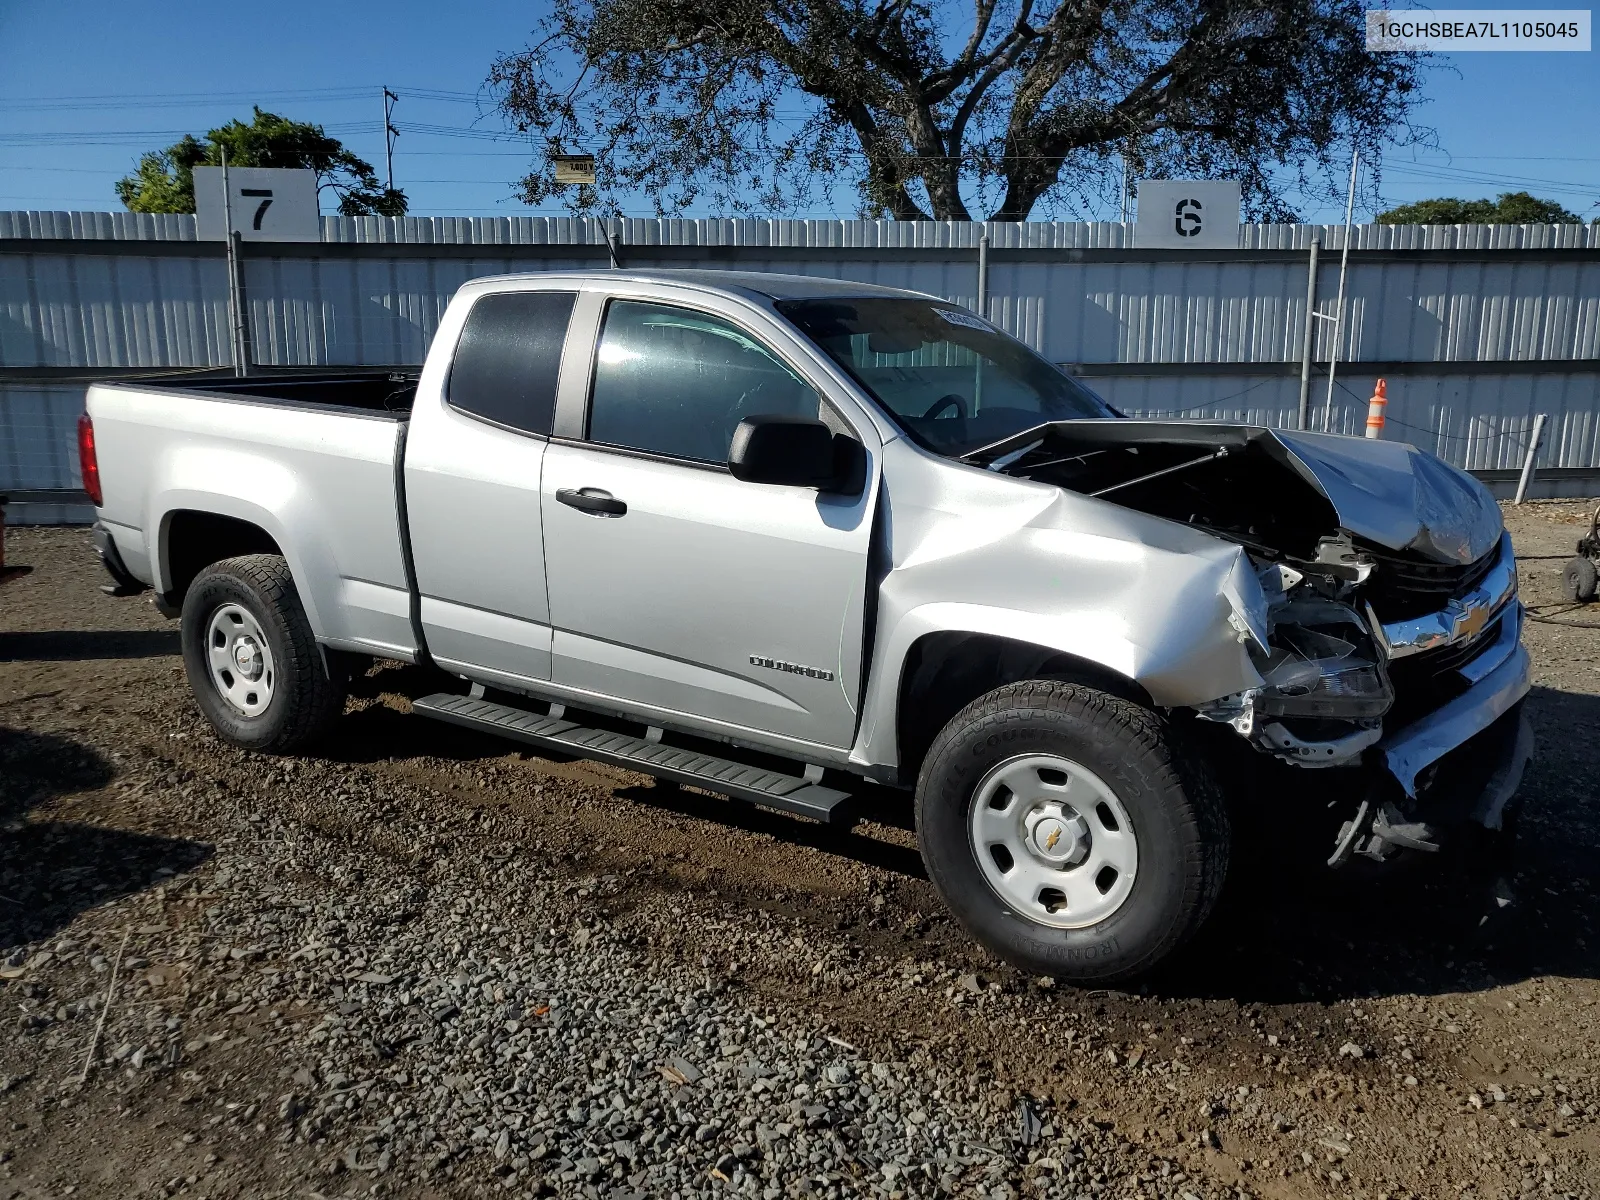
(1533, 451)
(238, 318)
(1310, 338)
(983, 276)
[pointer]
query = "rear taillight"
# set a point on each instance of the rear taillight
(86, 459)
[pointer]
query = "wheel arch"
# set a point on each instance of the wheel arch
(945, 670)
(195, 530)
(191, 539)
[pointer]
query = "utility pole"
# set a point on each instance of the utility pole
(389, 133)
(1309, 336)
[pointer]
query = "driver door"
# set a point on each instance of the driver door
(675, 587)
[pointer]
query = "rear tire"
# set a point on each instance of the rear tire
(1043, 873)
(1578, 580)
(253, 663)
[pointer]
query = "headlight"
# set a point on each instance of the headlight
(1322, 662)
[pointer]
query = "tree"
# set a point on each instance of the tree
(164, 179)
(1512, 208)
(933, 107)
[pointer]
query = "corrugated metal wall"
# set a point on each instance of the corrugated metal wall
(1472, 324)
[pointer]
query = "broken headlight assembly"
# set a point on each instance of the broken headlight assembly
(1324, 688)
(1322, 662)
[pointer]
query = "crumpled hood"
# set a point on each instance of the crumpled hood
(1398, 496)
(1388, 493)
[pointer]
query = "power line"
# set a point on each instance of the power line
(122, 102)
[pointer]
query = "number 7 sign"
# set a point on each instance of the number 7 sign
(269, 204)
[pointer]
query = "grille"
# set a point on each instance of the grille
(1404, 586)
(1422, 682)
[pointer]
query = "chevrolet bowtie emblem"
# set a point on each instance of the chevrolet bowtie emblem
(1050, 842)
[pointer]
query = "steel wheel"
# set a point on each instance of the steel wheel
(1053, 841)
(240, 659)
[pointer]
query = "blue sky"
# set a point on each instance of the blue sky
(85, 85)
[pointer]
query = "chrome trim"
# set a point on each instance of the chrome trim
(1505, 644)
(1429, 739)
(1464, 617)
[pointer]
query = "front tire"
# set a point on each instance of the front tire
(253, 663)
(1066, 832)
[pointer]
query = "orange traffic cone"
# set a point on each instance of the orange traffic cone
(1375, 407)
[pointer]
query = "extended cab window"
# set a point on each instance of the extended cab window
(509, 358)
(674, 381)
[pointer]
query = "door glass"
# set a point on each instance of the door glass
(678, 382)
(509, 357)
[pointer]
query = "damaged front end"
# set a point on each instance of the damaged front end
(1386, 632)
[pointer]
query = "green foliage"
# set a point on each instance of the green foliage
(164, 179)
(943, 108)
(1511, 208)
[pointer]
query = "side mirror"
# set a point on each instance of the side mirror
(796, 452)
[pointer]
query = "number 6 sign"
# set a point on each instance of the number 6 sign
(269, 204)
(1188, 214)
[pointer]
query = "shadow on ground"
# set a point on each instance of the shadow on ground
(1287, 930)
(52, 870)
(82, 645)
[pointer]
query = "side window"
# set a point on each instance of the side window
(509, 357)
(673, 381)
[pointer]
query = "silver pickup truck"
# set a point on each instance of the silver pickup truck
(797, 540)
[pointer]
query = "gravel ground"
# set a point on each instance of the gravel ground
(424, 964)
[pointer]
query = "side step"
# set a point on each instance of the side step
(770, 789)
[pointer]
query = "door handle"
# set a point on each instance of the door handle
(593, 501)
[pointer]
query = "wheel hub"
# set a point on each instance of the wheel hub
(247, 656)
(1057, 835)
(240, 659)
(1053, 841)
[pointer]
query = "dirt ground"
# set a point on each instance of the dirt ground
(1328, 1034)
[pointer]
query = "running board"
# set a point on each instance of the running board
(770, 789)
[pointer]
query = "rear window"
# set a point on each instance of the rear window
(509, 358)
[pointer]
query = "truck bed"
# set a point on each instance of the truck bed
(309, 459)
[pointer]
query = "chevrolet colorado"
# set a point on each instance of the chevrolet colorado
(789, 539)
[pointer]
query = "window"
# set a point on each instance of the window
(509, 358)
(673, 381)
(952, 381)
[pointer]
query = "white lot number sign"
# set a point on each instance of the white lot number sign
(1188, 214)
(270, 204)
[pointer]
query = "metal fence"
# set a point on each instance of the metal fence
(1477, 328)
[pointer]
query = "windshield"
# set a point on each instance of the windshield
(952, 381)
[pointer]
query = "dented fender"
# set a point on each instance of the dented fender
(1165, 606)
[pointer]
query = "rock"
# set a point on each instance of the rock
(1350, 1050)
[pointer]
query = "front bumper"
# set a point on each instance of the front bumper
(1499, 678)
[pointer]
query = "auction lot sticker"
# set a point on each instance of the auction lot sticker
(1469, 30)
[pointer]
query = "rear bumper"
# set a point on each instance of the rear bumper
(1500, 679)
(123, 581)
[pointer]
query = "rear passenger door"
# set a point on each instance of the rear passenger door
(472, 488)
